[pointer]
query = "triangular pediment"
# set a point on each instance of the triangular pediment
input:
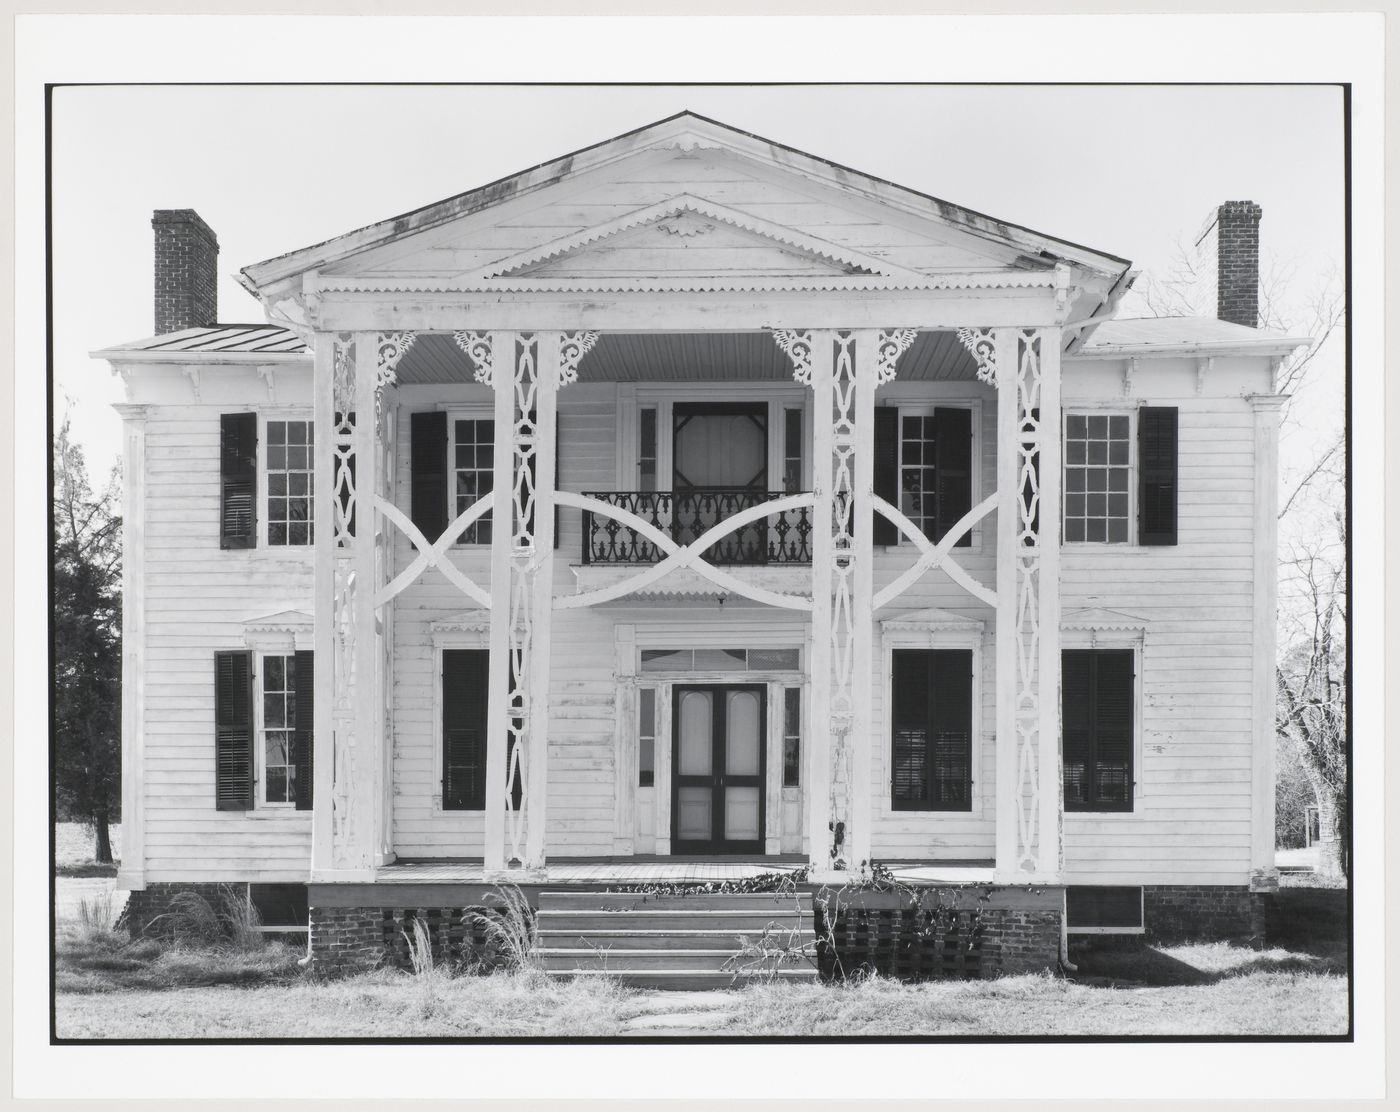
(931, 619)
(282, 620)
(1100, 617)
(688, 236)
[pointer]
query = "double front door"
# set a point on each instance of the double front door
(717, 768)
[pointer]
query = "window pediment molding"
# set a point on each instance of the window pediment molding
(1098, 618)
(470, 627)
(286, 630)
(932, 620)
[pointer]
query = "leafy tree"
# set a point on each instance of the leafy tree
(87, 642)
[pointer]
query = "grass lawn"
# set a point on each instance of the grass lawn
(146, 990)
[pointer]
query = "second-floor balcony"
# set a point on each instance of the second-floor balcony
(783, 537)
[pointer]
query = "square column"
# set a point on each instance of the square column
(526, 371)
(1028, 782)
(350, 761)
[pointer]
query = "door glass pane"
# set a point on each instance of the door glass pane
(693, 810)
(741, 814)
(720, 450)
(742, 757)
(696, 745)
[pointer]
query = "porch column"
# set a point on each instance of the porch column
(526, 370)
(1029, 794)
(841, 367)
(350, 831)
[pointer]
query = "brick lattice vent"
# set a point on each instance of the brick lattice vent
(457, 939)
(910, 944)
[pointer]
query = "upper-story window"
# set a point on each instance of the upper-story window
(473, 453)
(1098, 467)
(1120, 476)
(289, 482)
(923, 467)
(266, 481)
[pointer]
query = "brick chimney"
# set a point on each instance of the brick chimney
(1237, 252)
(187, 265)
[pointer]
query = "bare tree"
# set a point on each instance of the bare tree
(1311, 675)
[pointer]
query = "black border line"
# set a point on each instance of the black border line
(708, 1040)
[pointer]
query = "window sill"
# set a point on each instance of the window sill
(266, 813)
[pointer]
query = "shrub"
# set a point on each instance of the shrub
(509, 929)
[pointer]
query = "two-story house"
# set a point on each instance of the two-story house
(687, 507)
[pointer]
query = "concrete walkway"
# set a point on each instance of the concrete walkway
(679, 1013)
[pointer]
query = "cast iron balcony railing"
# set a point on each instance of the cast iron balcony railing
(781, 538)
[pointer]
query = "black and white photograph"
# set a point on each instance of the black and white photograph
(693, 564)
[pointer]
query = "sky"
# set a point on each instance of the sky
(1129, 170)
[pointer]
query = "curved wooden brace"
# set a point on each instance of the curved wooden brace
(434, 555)
(935, 556)
(688, 556)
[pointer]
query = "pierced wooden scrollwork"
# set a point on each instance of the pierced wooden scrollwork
(477, 346)
(982, 347)
(573, 346)
(797, 346)
(390, 349)
(892, 344)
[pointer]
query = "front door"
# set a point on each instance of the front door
(717, 768)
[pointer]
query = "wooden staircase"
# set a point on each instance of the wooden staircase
(697, 941)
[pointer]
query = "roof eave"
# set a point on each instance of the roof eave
(1260, 347)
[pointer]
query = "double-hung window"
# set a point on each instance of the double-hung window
(263, 729)
(472, 452)
(1120, 476)
(267, 475)
(278, 771)
(923, 467)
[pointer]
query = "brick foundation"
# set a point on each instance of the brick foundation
(347, 939)
(1020, 941)
(154, 900)
(1203, 913)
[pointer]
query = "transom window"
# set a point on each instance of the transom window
(719, 660)
(473, 460)
(1098, 473)
(278, 722)
(289, 482)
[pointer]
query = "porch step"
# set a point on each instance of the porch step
(677, 941)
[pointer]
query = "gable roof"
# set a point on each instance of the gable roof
(684, 131)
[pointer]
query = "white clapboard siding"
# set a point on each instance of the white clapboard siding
(197, 600)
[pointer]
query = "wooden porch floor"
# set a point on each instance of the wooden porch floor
(665, 871)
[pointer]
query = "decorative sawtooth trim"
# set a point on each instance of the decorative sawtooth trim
(927, 621)
(573, 346)
(797, 346)
(981, 345)
(477, 346)
(892, 344)
(680, 205)
(708, 284)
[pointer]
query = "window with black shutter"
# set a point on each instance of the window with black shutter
(464, 694)
(303, 734)
(233, 731)
(1097, 713)
(1157, 476)
(923, 465)
(427, 463)
(931, 727)
(238, 480)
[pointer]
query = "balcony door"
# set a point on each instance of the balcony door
(717, 763)
(719, 456)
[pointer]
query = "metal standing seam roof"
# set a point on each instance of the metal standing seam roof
(220, 339)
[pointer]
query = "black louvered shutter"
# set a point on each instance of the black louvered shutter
(427, 462)
(233, 731)
(1113, 729)
(909, 717)
(885, 470)
(952, 445)
(1077, 727)
(303, 729)
(950, 727)
(1157, 477)
(238, 480)
(464, 693)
